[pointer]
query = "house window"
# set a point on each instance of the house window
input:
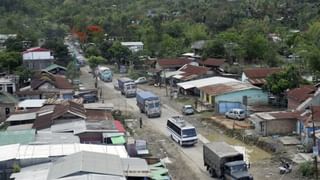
(7, 112)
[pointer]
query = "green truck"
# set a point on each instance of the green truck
(223, 161)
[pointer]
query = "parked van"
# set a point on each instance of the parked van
(238, 114)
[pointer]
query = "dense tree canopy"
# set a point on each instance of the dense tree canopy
(236, 30)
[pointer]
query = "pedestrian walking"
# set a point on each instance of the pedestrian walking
(140, 122)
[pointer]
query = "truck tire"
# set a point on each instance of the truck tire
(212, 172)
(141, 111)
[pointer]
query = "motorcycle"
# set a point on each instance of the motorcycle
(285, 168)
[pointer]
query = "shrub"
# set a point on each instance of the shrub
(306, 169)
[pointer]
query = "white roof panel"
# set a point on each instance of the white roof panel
(22, 117)
(205, 82)
(18, 151)
(132, 43)
(32, 103)
(9, 152)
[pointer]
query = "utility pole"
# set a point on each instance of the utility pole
(165, 81)
(314, 145)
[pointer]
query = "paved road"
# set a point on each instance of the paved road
(192, 155)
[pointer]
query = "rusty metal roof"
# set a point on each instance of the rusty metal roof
(278, 115)
(302, 93)
(228, 87)
(212, 62)
(173, 62)
(257, 76)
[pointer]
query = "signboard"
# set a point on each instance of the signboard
(315, 151)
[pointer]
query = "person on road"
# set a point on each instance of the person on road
(140, 122)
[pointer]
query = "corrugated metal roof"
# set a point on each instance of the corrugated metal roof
(32, 103)
(135, 167)
(22, 117)
(17, 137)
(205, 82)
(302, 93)
(89, 162)
(20, 127)
(40, 172)
(172, 63)
(278, 115)
(8, 152)
(225, 88)
(47, 137)
(18, 151)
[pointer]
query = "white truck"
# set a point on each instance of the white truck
(223, 161)
(127, 87)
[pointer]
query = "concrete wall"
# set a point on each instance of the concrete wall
(38, 55)
(278, 127)
(91, 137)
(3, 107)
(37, 64)
(255, 96)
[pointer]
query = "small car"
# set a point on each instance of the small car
(187, 110)
(238, 114)
(141, 80)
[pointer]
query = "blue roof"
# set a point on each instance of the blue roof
(146, 94)
(17, 137)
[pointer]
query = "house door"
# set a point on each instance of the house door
(10, 89)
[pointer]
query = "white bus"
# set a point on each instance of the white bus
(182, 132)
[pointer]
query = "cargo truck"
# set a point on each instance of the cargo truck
(104, 73)
(149, 103)
(223, 161)
(127, 87)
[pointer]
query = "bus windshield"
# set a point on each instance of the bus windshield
(189, 132)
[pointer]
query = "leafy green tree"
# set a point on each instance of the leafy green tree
(60, 50)
(92, 50)
(196, 32)
(24, 75)
(289, 78)
(120, 53)
(72, 71)
(170, 47)
(104, 49)
(94, 61)
(10, 60)
(14, 44)
(214, 48)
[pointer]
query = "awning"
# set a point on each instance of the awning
(119, 126)
(107, 135)
(118, 140)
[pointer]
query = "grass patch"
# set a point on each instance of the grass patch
(206, 114)
(185, 100)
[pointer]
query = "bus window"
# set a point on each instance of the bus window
(189, 133)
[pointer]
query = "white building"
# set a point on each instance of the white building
(7, 85)
(37, 58)
(133, 46)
